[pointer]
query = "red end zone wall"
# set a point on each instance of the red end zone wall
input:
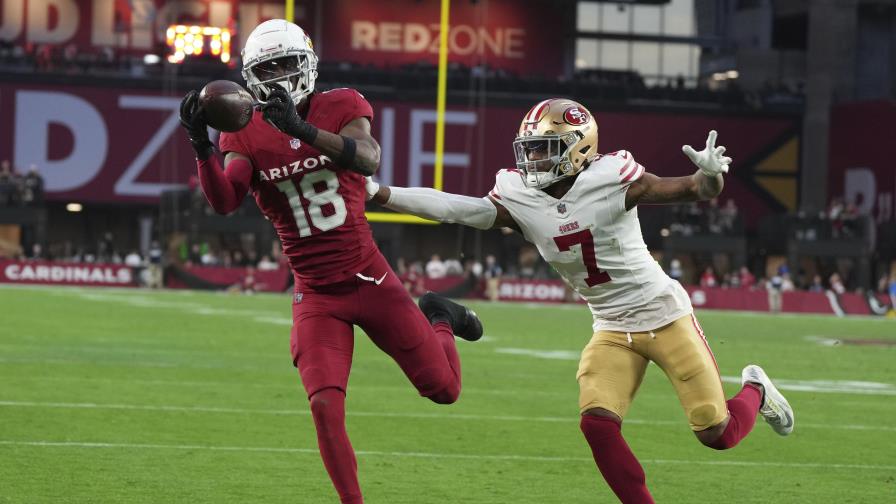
(110, 146)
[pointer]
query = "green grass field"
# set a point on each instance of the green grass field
(126, 396)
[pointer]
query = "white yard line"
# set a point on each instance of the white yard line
(385, 414)
(465, 456)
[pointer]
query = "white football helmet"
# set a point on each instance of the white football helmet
(278, 52)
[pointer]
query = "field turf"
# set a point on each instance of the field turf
(126, 396)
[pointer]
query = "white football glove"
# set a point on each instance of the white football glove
(371, 187)
(710, 160)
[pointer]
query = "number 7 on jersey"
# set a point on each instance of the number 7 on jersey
(585, 239)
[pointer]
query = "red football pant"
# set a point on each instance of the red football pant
(322, 344)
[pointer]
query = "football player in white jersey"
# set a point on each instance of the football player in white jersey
(578, 207)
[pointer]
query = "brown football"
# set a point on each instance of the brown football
(226, 105)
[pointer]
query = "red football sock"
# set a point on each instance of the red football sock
(742, 410)
(328, 411)
(615, 460)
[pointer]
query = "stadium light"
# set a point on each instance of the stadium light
(186, 41)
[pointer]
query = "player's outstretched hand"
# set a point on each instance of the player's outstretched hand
(192, 120)
(710, 160)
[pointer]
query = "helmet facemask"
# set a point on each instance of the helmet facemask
(545, 159)
(295, 73)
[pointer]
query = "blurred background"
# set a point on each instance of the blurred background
(98, 186)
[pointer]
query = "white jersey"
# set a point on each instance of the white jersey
(596, 245)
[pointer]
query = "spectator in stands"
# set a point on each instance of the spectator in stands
(528, 262)
(33, 187)
(7, 184)
(892, 290)
(133, 259)
(708, 278)
(713, 217)
(37, 252)
(774, 286)
(194, 257)
(837, 283)
(472, 268)
(435, 268)
(787, 283)
(266, 264)
(249, 284)
(728, 217)
(747, 279)
(492, 272)
(239, 259)
(675, 271)
(453, 267)
(413, 280)
(208, 257)
(816, 285)
(154, 268)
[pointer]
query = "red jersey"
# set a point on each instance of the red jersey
(316, 207)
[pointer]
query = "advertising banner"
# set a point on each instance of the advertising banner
(541, 291)
(103, 145)
(56, 273)
(520, 37)
(129, 26)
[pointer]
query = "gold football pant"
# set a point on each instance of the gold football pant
(613, 365)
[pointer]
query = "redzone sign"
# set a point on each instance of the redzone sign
(521, 37)
(421, 38)
(110, 275)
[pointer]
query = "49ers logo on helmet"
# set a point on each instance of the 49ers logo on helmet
(575, 116)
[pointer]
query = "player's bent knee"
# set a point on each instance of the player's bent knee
(602, 412)
(445, 397)
(705, 416)
(437, 385)
(327, 406)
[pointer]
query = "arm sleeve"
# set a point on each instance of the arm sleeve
(428, 203)
(224, 189)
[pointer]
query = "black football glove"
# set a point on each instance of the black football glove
(192, 119)
(280, 111)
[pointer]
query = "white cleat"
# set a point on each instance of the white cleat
(775, 409)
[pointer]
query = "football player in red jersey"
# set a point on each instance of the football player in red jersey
(303, 156)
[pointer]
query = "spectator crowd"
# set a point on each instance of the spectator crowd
(18, 189)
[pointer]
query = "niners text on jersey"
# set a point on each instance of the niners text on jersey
(316, 207)
(596, 244)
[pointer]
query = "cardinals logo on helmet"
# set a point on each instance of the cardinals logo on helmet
(575, 116)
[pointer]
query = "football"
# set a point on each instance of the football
(227, 105)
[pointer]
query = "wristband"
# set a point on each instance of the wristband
(347, 156)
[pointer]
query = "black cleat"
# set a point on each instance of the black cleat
(464, 322)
